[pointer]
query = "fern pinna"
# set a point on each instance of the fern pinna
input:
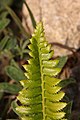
(41, 97)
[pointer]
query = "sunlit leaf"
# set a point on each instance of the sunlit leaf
(14, 105)
(41, 98)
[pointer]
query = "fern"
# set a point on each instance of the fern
(41, 97)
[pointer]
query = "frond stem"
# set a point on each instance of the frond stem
(43, 90)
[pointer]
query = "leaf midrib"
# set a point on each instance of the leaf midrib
(43, 91)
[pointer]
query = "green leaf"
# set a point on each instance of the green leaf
(66, 82)
(41, 98)
(62, 61)
(14, 105)
(31, 15)
(17, 21)
(3, 42)
(4, 23)
(68, 110)
(9, 88)
(5, 2)
(14, 64)
(3, 15)
(25, 43)
(15, 73)
(11, 43)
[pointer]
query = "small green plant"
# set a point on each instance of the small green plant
(13, 52)
(41, 96)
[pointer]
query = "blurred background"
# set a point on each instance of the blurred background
(18, 18)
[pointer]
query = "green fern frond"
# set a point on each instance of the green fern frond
(41, 96)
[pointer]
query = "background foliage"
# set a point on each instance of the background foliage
(13, 53)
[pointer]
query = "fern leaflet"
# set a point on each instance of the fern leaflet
(41, 96)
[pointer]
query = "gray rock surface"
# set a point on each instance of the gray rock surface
(61, 19)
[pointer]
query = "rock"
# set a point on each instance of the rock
(61, 19)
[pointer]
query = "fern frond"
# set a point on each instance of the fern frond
(41, 96)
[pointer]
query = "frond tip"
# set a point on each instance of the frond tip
(41, 96)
